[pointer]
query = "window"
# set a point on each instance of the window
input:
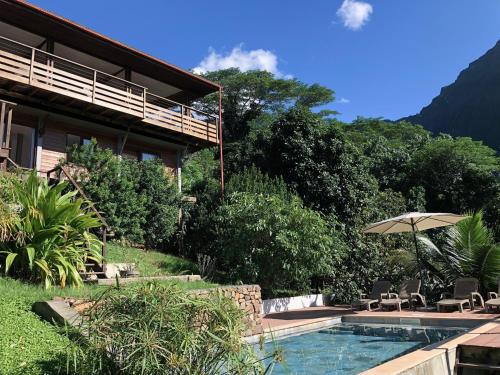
(72, 139)
(148, 156)
(22, 145)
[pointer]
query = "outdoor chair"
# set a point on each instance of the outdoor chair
(409, 293)
(466, 290)
(379, 289)
(493, 300)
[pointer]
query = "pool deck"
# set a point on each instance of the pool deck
(485, 328)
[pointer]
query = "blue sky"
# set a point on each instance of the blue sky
(383, 58)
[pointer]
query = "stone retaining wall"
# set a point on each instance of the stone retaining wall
(248, 298)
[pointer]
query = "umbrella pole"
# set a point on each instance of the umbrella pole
(419, 263)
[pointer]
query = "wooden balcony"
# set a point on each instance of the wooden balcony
(50, 73)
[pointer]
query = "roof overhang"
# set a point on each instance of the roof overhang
(39, 21)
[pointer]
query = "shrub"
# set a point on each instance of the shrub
(161, 329)
(138, 199)
(51, 239)
(112, 185)
(277, 244)
(161, 203)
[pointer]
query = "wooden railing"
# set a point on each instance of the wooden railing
(34, 67)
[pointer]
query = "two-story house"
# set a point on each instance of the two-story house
(61, 84)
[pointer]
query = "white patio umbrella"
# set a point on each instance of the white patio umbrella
(414, 222)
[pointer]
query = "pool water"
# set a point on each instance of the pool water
(352, 348)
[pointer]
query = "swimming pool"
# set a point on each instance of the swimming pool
(346, 348)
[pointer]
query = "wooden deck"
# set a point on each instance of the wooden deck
(39, 70)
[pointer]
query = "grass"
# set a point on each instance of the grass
(150, 263)
(29, 345)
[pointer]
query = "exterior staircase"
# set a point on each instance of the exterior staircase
(477, 360)
(93, 270)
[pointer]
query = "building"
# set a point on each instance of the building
(63, 84)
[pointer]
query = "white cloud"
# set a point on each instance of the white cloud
(343, 101)
(257, 59)
(354, 14)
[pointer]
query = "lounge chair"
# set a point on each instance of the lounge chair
(464, 293)
(379, 289)
(409, 293)
(493, 300)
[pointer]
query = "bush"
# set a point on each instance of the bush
(138, 199)
(277, 244)
(161, 204)
(156, 330)
(50, 240)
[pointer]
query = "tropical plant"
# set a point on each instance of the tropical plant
(275, 243)
(467, 250)
(51, 239)
(160, 329)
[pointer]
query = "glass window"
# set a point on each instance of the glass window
(86, 141)
(148, 156)
(72, 139)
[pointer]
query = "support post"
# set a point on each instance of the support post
(417, 252)
(221, 153)
(39, 142)
(179, 171)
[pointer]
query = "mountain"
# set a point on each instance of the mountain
(470, 106)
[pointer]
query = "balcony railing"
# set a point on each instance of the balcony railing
(31, 66)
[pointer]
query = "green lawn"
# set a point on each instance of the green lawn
(150, 263)
(29, 345)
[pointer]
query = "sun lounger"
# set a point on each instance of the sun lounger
(465, 292)
(379, 289)
(493, 300)
(409, 293)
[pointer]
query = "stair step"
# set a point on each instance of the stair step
(478, 366)
(92, 273)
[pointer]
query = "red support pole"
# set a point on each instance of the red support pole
(221, 154)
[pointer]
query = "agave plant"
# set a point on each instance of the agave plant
(50, 239)
(468, 250)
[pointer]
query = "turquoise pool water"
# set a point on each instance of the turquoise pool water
(346, 349)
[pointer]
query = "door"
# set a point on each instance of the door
(22, 145)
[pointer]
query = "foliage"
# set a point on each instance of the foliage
(154, 329)
(51, 240)
(27, 344)
(252, 180)
(137, 199)
(315, 160)
(161, 203)
(247, 95)
(467, 250)
(275, 243)
(149, 263)
(112, 185)
(457, 174)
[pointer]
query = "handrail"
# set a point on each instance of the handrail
(184, 106)
(77, 80)
(70, 61)
(79, 189)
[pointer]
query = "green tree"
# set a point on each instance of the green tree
(457, 174)
(277, 244)
(247, 95)
(317, 162)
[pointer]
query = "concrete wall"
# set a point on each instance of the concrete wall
(274, 305)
